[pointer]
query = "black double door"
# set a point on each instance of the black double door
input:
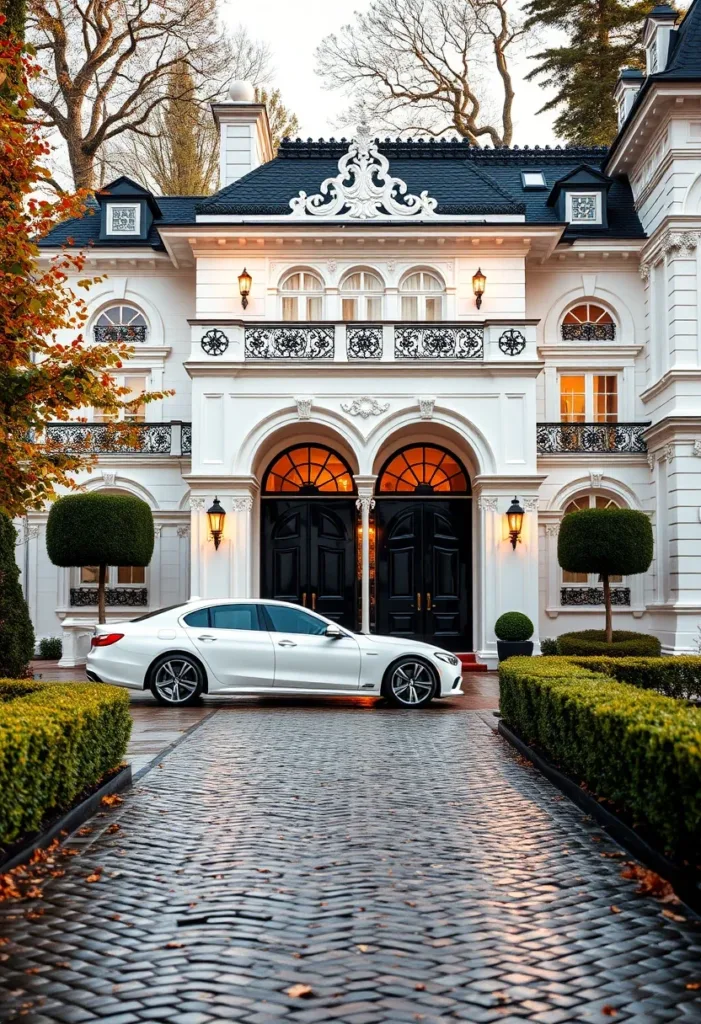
(423, 570)
(308, 555)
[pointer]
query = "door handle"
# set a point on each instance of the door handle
(209, 639)
(418, 601)
(428, 601)
(313, 600)
(304, 598)
(286, 643)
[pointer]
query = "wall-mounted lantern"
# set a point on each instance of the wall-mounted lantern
(514, 516)
(216, 516)
(245, 282)
(479, 283)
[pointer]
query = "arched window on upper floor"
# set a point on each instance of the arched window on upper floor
(422, 295)
(361, 296)
(120, 322)
(302, 296)
(588, 321)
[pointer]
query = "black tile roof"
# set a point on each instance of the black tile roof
(84, 232)
(464, 181)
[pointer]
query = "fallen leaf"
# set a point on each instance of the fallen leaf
(615, 909)
(672, 916)
(174, 945)
(363, 948)
(650, 883)
(609, 1011)
(113, 828)
(32, 970)
(420, 987)
(693, 986)
(299, 991)
(96, 876)
(85, 831)
(112, 800)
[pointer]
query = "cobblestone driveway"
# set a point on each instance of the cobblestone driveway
(404, 865)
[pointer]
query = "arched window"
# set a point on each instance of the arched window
(423, 469)
(588, 322)
(422, 296)
(120, 322)
(361, 296)
(588, 501)
(302, 296)
(309, 469)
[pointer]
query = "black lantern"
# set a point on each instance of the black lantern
(515, 515)
(216, 516)
(479, 283)
(245, 282)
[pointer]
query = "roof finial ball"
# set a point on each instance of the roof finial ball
(241, 92)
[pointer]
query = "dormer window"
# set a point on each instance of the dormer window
(533, 179)
(124, 218)
(654, 59)
(584, 207)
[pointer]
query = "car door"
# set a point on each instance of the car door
(306, 659)
(234, 644)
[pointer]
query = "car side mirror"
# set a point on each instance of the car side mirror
(334, 632)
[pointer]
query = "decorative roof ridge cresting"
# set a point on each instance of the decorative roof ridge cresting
(363, 189)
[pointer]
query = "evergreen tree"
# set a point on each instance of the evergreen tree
(604, 36)
(16, 632)
(283, 123)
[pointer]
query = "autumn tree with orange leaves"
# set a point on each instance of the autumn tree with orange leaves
(42, 378)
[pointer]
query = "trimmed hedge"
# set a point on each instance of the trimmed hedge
(593, 642)
(514, 627)
(16, 630)
(674, 677)
(99, 529)
(632, 746)
(56, 739)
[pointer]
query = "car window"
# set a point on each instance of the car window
(234, 616)
(294, 620)
(157, 611)
(198, 618)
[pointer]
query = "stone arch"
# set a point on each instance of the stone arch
(692, 203)
(283, 428)
(606, 486)
(610, 301)
(121, 484)
(114, 293)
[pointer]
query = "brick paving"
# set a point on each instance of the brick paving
(406, 866)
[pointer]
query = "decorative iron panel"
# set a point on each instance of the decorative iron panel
(588, 332)
(186, 439)
(112, 438)
(214, 342)
(512, 343)
(131, 334)
(364, 342)
(132, 597)
(576, 596)
(290, 342)
(443, 341)
(591, 438)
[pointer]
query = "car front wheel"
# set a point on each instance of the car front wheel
(176, 680)
(410, 683)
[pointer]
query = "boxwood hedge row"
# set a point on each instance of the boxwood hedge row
(56, 740)
(633, 746)
(674, 677)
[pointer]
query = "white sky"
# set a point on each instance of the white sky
(294, 30)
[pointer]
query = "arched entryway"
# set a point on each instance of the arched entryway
(423, 523)
(308, 532)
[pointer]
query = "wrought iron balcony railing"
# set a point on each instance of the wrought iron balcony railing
(130, 597)
(579, 596)
(290, 341)
(359, 341)
(131, 334)
(438, 341)
(588, 332)
(591, 438)
(121, 438)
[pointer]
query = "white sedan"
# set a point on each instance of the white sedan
(253, 647)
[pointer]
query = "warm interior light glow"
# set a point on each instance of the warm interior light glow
(216, 516)
(514, 516)
(479, 283)
(245, 282)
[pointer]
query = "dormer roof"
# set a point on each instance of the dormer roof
(126, 188)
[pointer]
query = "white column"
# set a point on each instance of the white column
(198, 535)
(154, 576)
(243, 545)
(365, 504)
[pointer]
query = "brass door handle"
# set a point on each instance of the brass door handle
(428, 601)
(418, 601)
(313, 600)
(304, 598)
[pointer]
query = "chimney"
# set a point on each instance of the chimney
(244, 133)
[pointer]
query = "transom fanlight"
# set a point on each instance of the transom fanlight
(588, 313)
(121, 315)
(309, 469)
(423, 469)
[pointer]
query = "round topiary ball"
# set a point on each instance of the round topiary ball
(514, 627)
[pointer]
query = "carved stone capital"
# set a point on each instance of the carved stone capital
(304, 407)
(487, 504)
(552, 529)
(681, 243)
(696, 450)
(426, 407)
(183, 531)
(109, 477)
(530, 504)
(595, 478)
(365, 503)
(197, 503)
(244, 504)
(157, 530)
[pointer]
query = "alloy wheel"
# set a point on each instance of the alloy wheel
(176, 680)
(411, 682)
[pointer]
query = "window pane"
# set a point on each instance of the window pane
(353, 283)
(90, 574)
(131, 574)
(412, 283)
(314, 308)
(574, 577)
(431, 283)
(294, 620)
(311, 283)
(605, 399)
(433, 309)
(374, 308)
(289, 309)
(350, 309)
(199, 618)
(101, 416)
(572, 399)
(292, 284)
(137, 386)
(372, 283)
(410, 307)
(235, 616)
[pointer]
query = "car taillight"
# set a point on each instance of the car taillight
(105, 639)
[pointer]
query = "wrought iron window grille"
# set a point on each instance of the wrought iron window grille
(591, 438)
(131, 597)
(300, 341)
(129, 333)
(578, 596)
(364, 342)
(440, 341)
(589, 332)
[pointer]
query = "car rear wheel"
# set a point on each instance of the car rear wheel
(177, 680)
(410, 683)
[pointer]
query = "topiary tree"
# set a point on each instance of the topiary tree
(607, 541)
(16, 631)
(514, 627)
(100, 529)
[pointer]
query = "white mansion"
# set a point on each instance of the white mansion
(375, 345)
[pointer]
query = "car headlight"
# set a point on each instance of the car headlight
(444, 656)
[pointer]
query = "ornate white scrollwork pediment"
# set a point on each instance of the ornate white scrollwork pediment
(363, 189)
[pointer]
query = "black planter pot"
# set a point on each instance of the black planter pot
(514, 648)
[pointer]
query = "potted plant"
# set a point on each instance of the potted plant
(514, 631)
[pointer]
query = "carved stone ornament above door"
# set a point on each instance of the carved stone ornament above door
(365, 407)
